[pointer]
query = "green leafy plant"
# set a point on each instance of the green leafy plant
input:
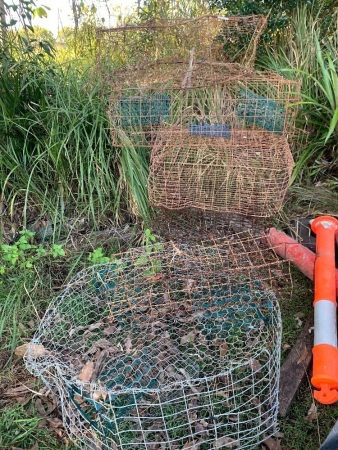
(98, 256)
(48, 115)
(50, 112)
(57, 251)
(327, 84)
(24, 254)
(152, 265)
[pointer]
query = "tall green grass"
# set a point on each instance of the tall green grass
(307, 50)
(56, 154)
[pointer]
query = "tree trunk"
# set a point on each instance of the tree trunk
(2, 22)
(75, 9)
(75, 15)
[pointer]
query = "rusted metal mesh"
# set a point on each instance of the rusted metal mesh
(168, 346)
(217, 134)
(209, 99)
(247, 173)
(212, 37)
(195, 225)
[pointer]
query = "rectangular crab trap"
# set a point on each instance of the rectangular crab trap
(217, 134)
(213, 37)
(166, 347)
(246, 174)
(205, 97)
(217, 130)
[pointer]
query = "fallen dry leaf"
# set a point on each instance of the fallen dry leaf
(57, 427)
(298, 320)
(191, 445)
(226, 442)
(303, 355)
(110, 330)
(95, 326)
(44, 406)
(153, 446)
(54, 422)
(98, 395)
(272, 444)
(86, 372)
(192, 416)
(31, 324)
(100, 359)
(18, 391)
(312, 413)
(43, 423)
(128, 345)
(201, 428)
(300, 315)
(188, 338)
(278, 435)
(255, 365)
(23, 400)
(189, 286)
(233, 418)
(171, 372)
(78, 399)
(102, 344)
(155, 277)
(35, 350)
(223, 349)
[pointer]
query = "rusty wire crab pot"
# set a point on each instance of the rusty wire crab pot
(166, 347)
(246, 173)
(217, 133)
(213, 38)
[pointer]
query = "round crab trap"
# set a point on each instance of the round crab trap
(166, 347)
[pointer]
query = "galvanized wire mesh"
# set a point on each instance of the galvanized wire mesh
(167, 347)
(232, 39)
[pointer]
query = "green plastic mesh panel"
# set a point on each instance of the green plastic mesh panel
(261, 111)
(144, 110)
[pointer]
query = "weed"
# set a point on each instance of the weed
(98, 256)
(307, 51)
(300, 434)
(152, 265)
(17, 428)
(56, 250)
(24, 254)
(56, 151)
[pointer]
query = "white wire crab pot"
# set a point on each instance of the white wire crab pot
(166, 348)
